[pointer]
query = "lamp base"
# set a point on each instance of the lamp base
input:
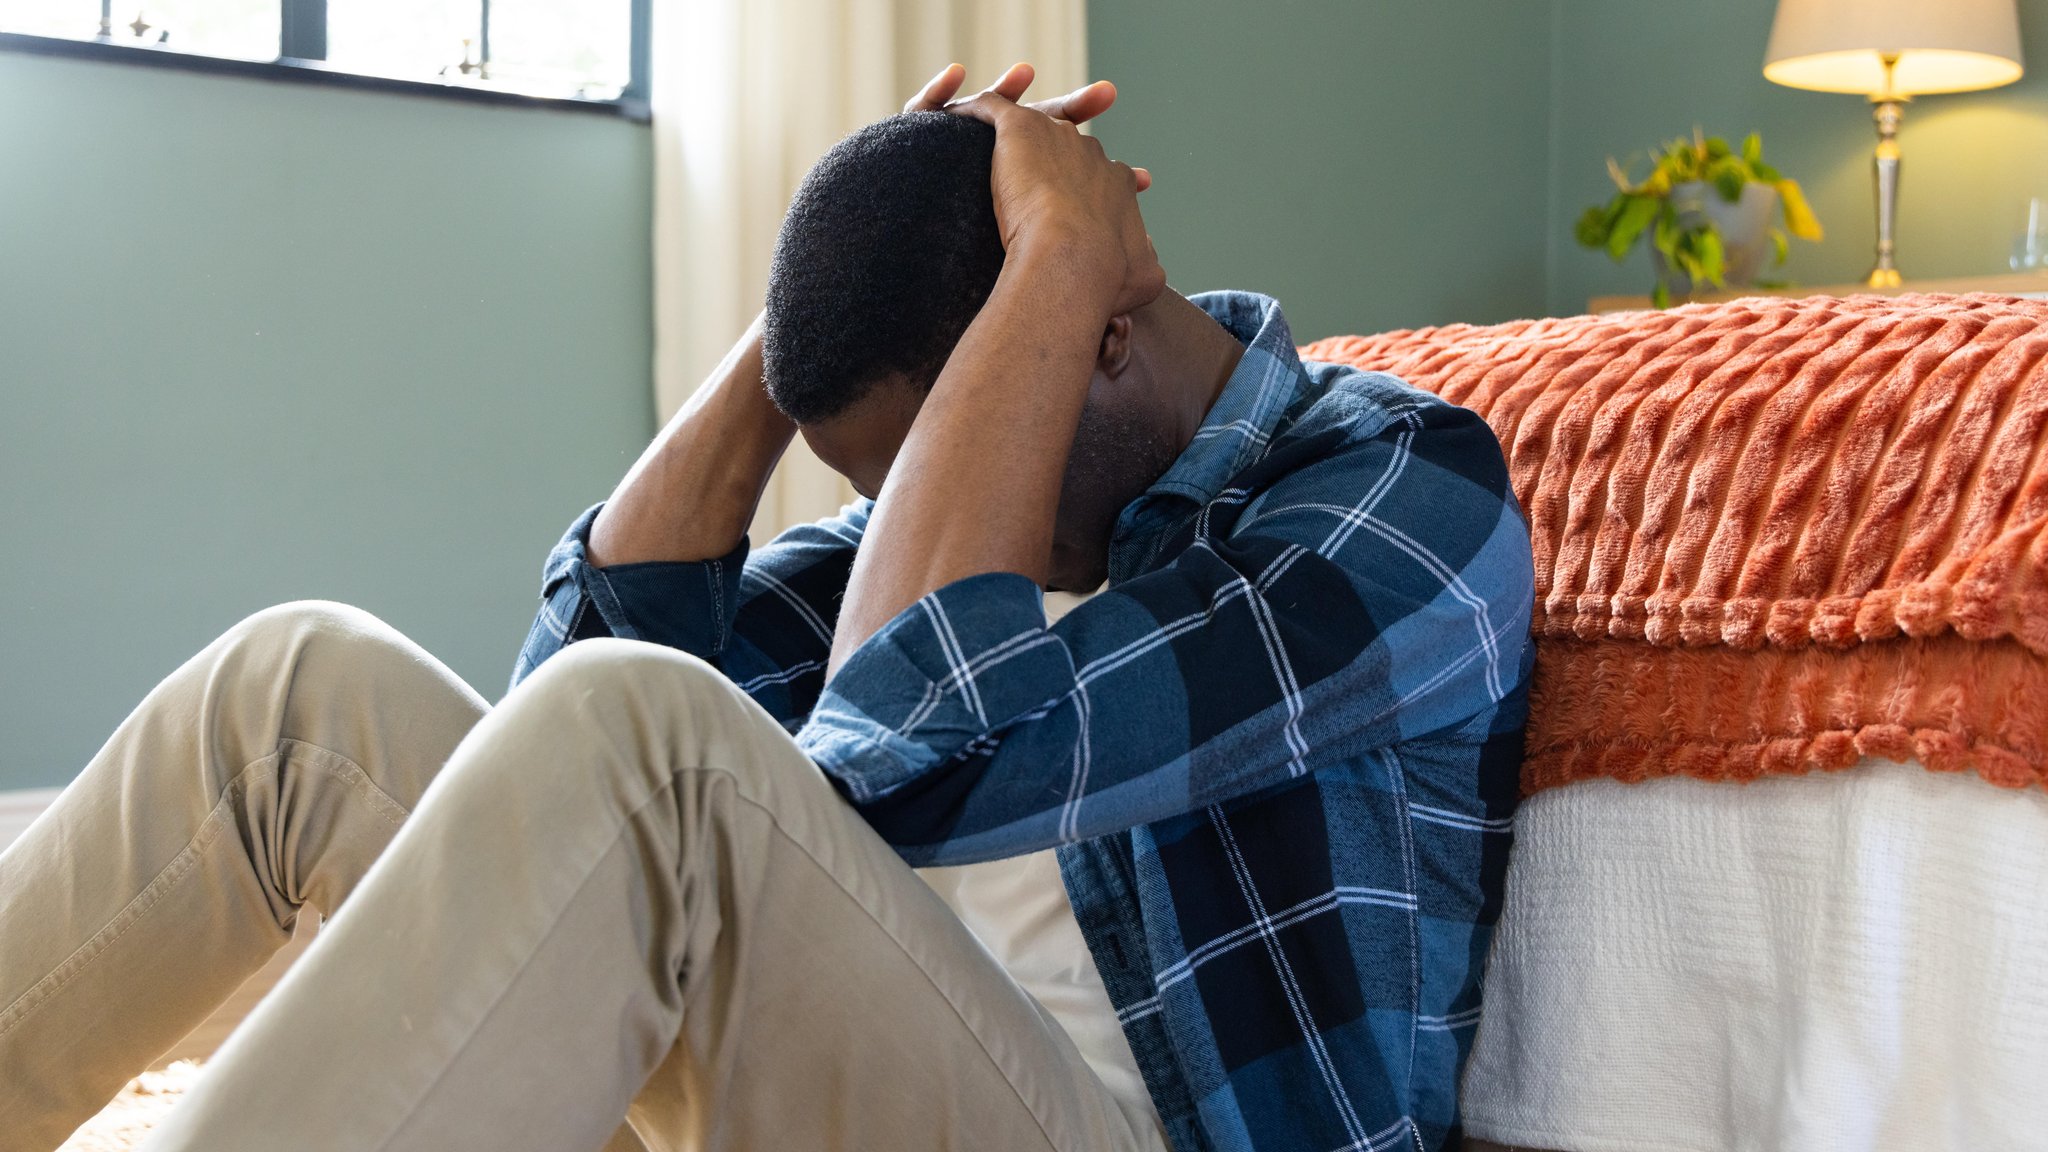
(1888, 112)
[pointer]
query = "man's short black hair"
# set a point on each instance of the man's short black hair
(889, 251)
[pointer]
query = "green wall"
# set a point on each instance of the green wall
(1631, 74)
(1384, 163)
(1372, 163)
(264, 341)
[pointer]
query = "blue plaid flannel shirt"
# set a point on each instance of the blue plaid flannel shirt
(1278, 754)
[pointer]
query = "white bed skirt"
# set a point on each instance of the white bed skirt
(1846, 961)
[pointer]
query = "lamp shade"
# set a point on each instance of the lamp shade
(1941, 45)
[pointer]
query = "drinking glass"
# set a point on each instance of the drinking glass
(2030, 247)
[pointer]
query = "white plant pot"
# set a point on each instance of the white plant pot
(1745, 227)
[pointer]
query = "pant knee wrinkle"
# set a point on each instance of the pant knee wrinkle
(350, 774)
(210, 830)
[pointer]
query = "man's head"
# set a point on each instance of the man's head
(889, 251)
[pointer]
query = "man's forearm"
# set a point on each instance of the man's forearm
(692, 493)
(977, 483)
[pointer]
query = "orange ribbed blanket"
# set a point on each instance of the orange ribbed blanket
(1771, 535)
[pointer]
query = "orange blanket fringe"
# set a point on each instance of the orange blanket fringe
(1771, 536)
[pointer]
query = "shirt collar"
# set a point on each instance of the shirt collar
(1239, 426)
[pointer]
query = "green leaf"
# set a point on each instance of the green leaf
(1681, 163)
(1780, 247)
(1665, 238)
(1713, 257)
(1660, 296)
(1634, 218)
(1592, 228)
(1753, 149)
(1728, 177)
(1689, 263)
(1718, 148)
(1765, 172)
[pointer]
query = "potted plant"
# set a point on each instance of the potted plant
(1707, 209)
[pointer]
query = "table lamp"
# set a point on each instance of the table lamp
(1892, 51)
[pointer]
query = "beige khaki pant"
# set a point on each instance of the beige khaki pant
(627, 887)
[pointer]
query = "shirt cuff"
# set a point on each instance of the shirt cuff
(687, 605)
(962, 664)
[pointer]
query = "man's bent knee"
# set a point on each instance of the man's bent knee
(318, 671)
(667, 703)
(284, 633)
(605, 668)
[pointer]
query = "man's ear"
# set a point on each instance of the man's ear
(1115, 354)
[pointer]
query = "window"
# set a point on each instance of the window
(578, 50)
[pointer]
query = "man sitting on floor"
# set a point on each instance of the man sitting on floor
(671, 871)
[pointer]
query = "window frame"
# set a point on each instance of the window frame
(302, 48)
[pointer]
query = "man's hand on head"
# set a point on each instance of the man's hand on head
(1077, 107)
(1057, 194)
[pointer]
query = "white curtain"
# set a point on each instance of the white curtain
(747, 94)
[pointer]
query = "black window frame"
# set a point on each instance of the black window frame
(302, 51)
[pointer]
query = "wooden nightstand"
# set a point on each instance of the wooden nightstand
(2031, 284)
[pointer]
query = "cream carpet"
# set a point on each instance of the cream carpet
(123, 1124)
